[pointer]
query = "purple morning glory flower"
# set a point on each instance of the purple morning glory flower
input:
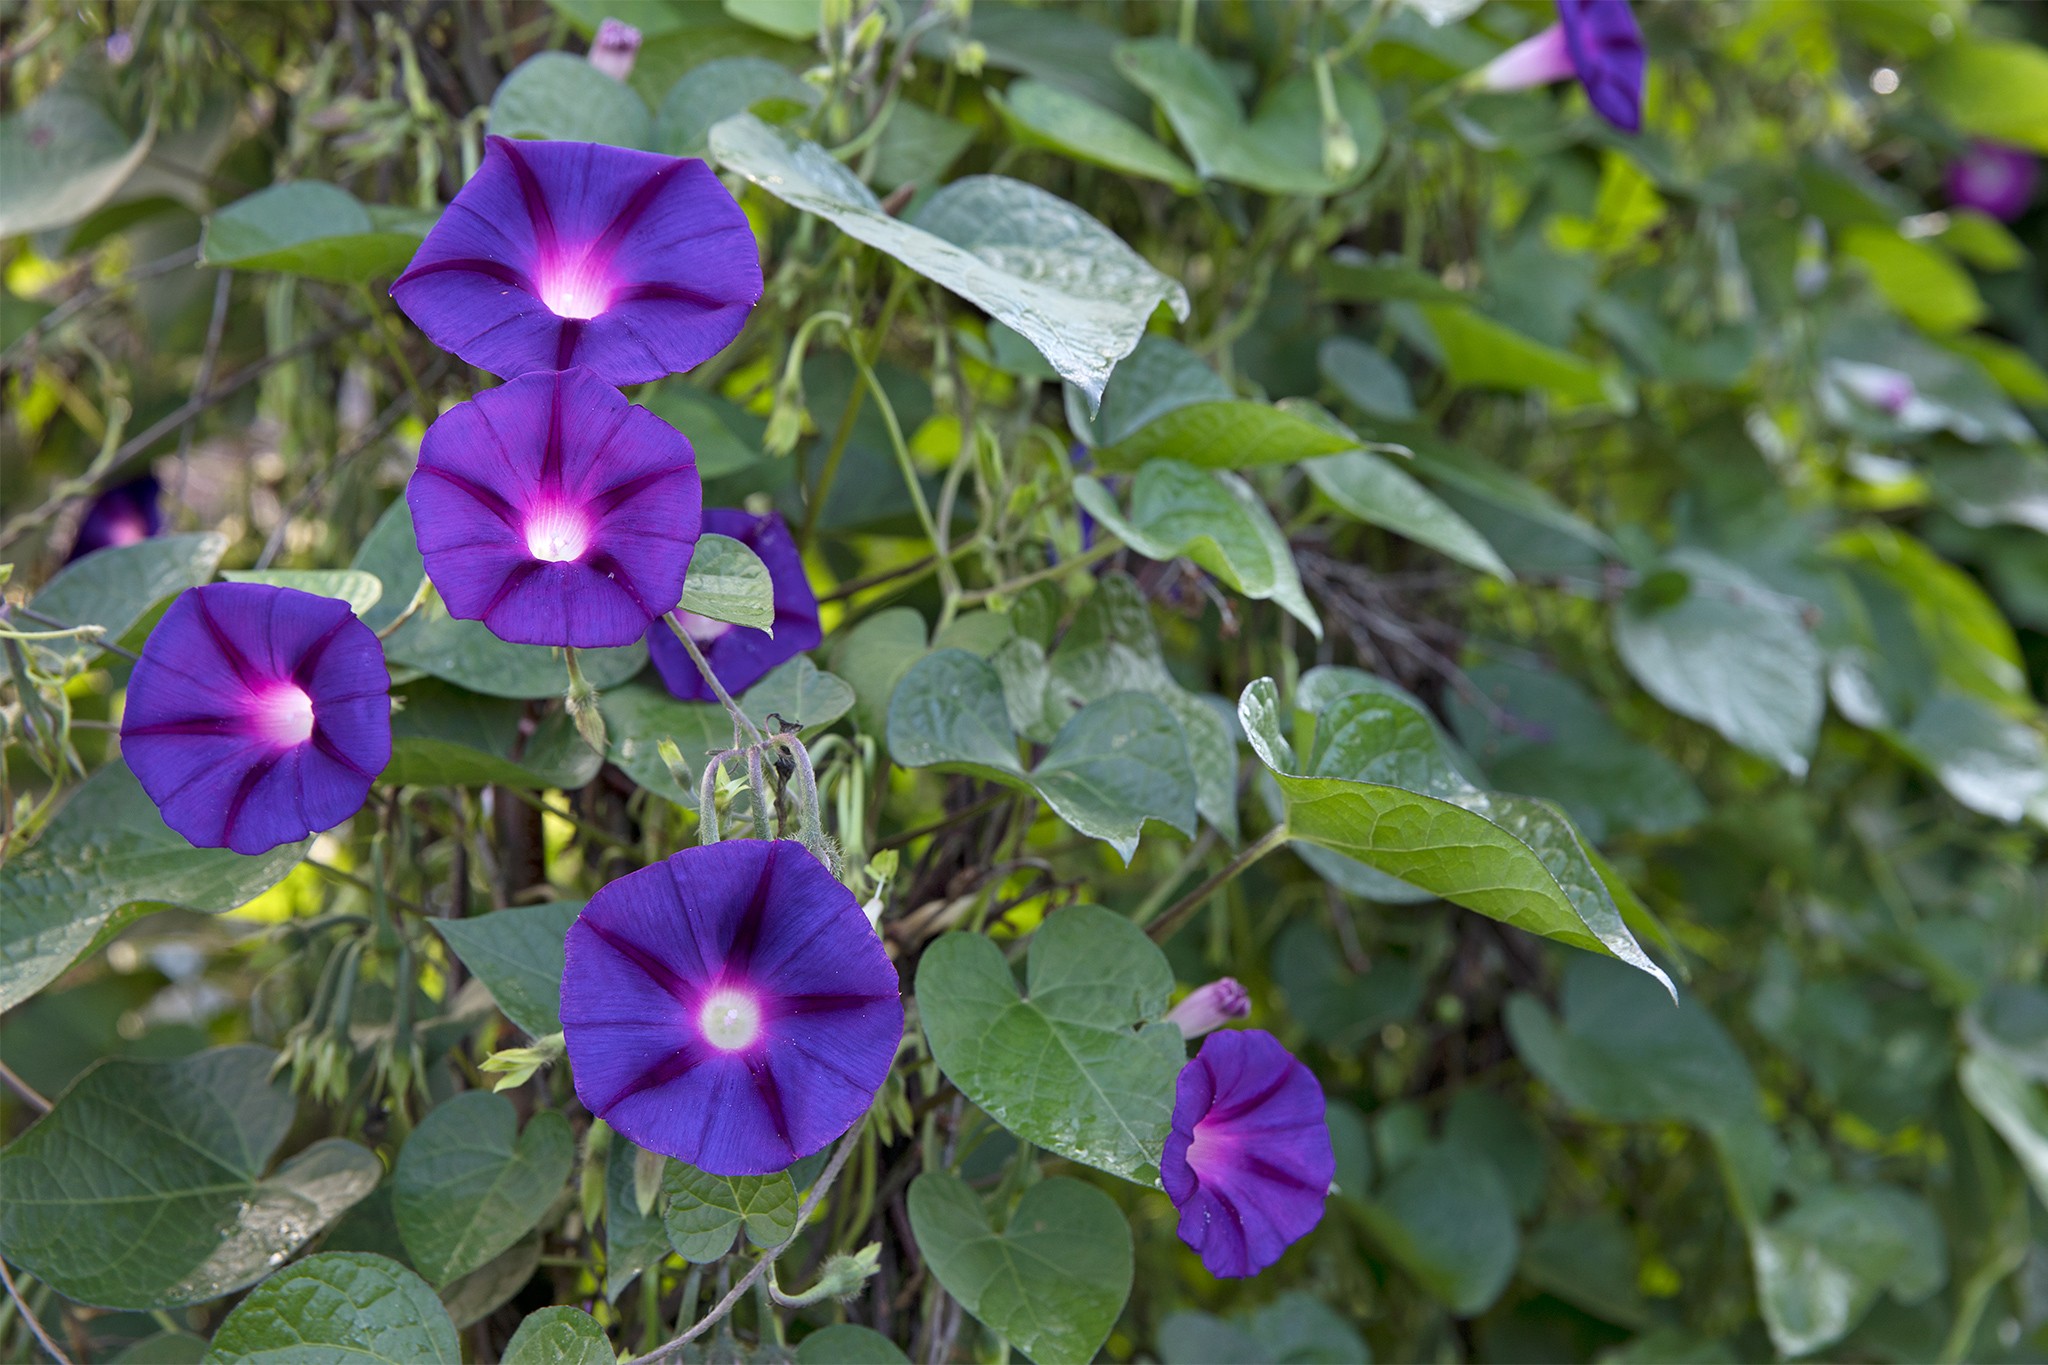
(556, 512)
(1993, 178)
(572, 253)
(730, 1007)
(124, 514)
(740, 655)
(257, 715)
(1596, 41)
(1249, 1160)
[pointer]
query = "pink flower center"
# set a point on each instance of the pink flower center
(575, 288)
(729, 1019)
(1209, 1146)
(557, 534)
(702, 629)
(284, 715)
(129, 530)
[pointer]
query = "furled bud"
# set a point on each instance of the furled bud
(1210, 1007)
(516, 1065)
(613, 49)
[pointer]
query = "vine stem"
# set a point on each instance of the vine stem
(1167, 924)
(24, 1089)
(768, 1259)
(34, 1323)
(742, 726)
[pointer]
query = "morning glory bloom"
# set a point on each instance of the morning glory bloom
(1208, 1008)
(1993, 178)
(124, 514)
(730, 1007)
(741, 655)
(257, 715)
(556, 512)
(1596, 41)
(571, 253)
(1249, 1160)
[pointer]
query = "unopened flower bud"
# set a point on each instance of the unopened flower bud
(1210, 1007)
(786, 420)
(970, 57)
(614, 48)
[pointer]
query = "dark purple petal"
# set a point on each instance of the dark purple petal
(257, 715)
(1607, 51)
(1993, 178)
(573, 253)
(1249, 1160)
(123, 515)
(730, 1007)
(740, 655)
(556, 512)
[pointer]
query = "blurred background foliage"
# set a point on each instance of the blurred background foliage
(1691, 481)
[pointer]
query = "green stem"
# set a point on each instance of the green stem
(1169, 923)
(743, 729)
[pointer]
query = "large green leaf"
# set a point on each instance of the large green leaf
(1048, 115)
(639, 717)
(65, 156)
(1366, 378)
(311, 228)
(465, 652)
(335, 1307)
(2012, 1102)
(1294, 1329)
(1279, 150)
(559, 1336)
(1077, 1064)
(1052, 1282)
(873, 657)
(728, 582)
(1225, 434)
(517, 953)
(1446, 1219)
(1731, 653)
(468, 1183)
(105, 859)
(1481, 353)
(1925, 284)
(1380, 787)
(561, 98)
(144, 1186)
(705, 1212)
(443, 736)
(633, 1239)
(117, 586)
(1115, 764)
(1992, 761)
(483, 1291)
(353, 586)
(1214, 519)
(718, 90)
(1821, 1266)
(1380, 493)
(1034, 262)
(1991, 87)
(848, 1343)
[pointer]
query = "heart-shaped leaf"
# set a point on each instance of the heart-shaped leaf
(468, 1183)
(517, 953)
(315, 229)
(117, 586)
(705, 1212)
(559, 1336)
(1052, 1283)
(65, 156)
(1225, 434)
(1074, 1065)
(1071, 123)
(340, 1305)
(353, 586)
(728, 582)
(564, 98)
(144, 1187)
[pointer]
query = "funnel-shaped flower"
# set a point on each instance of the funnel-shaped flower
(1596, 41)
(571, 253)
(730, 1007)
(1249, 1160)
(257, 715)
(1993, 178)
(123, 515)
(556, 512)
(740, 655)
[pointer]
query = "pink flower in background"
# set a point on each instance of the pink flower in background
(613, 49)
(1599, 43)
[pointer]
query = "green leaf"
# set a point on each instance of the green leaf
(1115, 764)
(465, 652)
(163, 1348)
(1280, 149)
(1733, 654)
(633, 1240)
(1032, 261)
(918, 147)
(1052, 1283)
(559, 1336)
(794, 19)
(719, 90)
(800, 692)
(143, 1187)
(1214, 519)
(65, 156)
(517, 953)
(705, 1212)
(560, 98)
(117, 586)
(339, 1306)
(873, 657)
(1350, 275)
(1589, 1261)
(1380, 493)
(1446, 1219)
(1821, 1266)
(728, 582)
(1970, 639)
(1994, 488)
(1294, 1329)
(1153, 380)
(483, 1291)
(1992, 762)
(1919, 279)
(640, 716)
(848, 1343)
(2012, 1102)
(443, 736)
(468, 1183)
(1380, 787)
(1077, 1065)
(1480, 353)
(1225, 435)
(309, 228)
(1490, 496)
(1991, 87)
(1048, 115)
(1334, 1005)
(360, 590)
(1366, 378)
(105, 859)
